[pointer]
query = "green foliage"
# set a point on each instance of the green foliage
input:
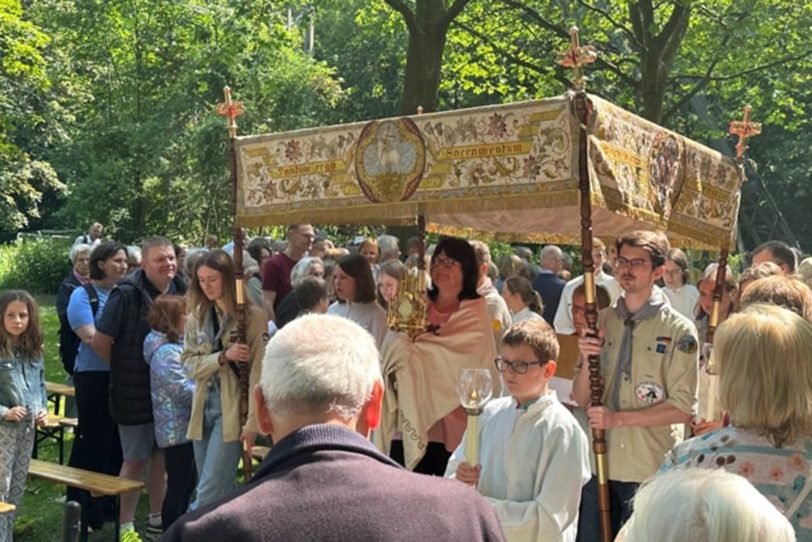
(146, 152)
(24, 179)
(35, 265)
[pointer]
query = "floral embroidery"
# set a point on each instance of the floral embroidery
(797, 462)
(531, 167)
(293, 150)
(497, 126)
(747, 469)
(776, 473)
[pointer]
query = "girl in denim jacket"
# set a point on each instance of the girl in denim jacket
(23, 402)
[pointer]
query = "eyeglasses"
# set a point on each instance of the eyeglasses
(448, 263)
(634, 263)
(518, 367)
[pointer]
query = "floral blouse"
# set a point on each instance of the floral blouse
(777, 473)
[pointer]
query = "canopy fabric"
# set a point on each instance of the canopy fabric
(508, 172)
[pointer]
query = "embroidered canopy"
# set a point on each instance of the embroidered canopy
(507, 172)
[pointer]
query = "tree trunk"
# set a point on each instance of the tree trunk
(657, 51)
(428, 23)
(423, 65)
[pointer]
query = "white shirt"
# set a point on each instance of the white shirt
(369, 316)
(684, 300)
(534, 464)
(563, 316)
(497, 309)
(525, 314)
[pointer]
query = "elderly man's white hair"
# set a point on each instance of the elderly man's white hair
(389, 246)
(704, 505)
(551, 251)
(320, 364)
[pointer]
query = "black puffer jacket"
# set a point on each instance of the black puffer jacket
(130, 400)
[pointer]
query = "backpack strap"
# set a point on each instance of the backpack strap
(93, 297)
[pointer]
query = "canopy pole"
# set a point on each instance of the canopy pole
(576, 57)
(582, 108)
(231, 110)
(743, 129)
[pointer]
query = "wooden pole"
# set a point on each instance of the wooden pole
(582, 109)
(230, 110)
(743, 129)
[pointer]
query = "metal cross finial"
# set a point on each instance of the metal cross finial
(576, 57)
(230, 110)
(744, 129)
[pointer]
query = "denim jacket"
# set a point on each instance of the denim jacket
(22, 383)
(171, 389)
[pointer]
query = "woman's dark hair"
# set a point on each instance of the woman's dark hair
(164, 316)
(255, 248)
(459, 250)
(103, 252)
(523, 287)
(309, 292)
(680, 259)
(220, 261)
(358, 268)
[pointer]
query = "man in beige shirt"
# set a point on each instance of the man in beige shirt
(649, 362)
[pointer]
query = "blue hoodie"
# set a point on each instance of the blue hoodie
(171, 389)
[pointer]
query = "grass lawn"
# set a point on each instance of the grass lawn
(39, 518)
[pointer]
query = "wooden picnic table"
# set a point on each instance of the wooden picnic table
(96, 483)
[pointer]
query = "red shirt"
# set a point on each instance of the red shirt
(276, 276)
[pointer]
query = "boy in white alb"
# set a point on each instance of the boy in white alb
(533, 458)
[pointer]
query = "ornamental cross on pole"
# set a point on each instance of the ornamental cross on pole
(230, 110)
(576, 57)
(744, 129)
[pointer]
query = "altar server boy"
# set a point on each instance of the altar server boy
(533, 458)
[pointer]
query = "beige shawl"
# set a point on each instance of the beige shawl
(420, 375)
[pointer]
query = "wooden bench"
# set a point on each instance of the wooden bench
(97, 484)
(56, 392)
(6, 508)
(54, 429)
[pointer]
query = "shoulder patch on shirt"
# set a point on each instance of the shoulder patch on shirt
(687, 344)
(496, 325)
(649, 392)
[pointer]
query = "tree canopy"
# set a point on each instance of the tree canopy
(107, 108)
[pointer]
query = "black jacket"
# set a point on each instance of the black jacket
(125, 319)
(327, 483)
(68, 340)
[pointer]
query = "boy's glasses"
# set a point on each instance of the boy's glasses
(634, 263)
(518, 367)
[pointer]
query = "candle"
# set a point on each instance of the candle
(474, 389)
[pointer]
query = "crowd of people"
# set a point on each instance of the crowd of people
(364, 421)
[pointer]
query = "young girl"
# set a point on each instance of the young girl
(172, 390)
(23, 402)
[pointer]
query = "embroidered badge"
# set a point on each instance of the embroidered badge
(687, 344)
(661, 348)
(496, 325)
(666, 340)
(649, 392)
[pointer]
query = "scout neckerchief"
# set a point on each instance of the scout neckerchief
(651, 307)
